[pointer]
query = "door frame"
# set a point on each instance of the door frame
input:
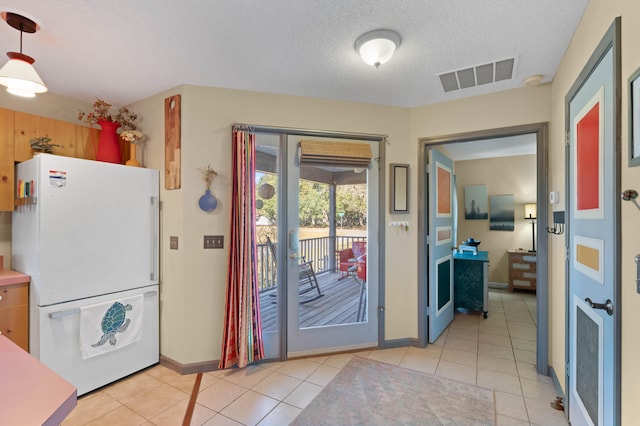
(307, 341)
(542, 272)
(610, 40)
(281, 293)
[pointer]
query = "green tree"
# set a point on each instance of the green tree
(352, 199)
(314, 203)
(269, 206)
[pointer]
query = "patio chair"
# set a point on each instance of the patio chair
(353, 262)
(361, 273)
(349, 257)
(306, 276)
(345, 263)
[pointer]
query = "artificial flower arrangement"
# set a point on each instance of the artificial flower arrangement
(131, 136)
(102, 112)
(208, 174)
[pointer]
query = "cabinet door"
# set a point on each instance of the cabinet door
(76, 140)
(6, 160)
(14, 295)
(14, 324)
(14, 313)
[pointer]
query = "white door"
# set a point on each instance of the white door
(594, 245)
(441, 233)
(359, 285)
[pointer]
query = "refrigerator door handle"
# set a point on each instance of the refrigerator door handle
(60, 314)
(155, 207)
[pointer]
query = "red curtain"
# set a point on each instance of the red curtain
(242, 340)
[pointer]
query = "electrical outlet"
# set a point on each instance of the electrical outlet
(173, 243)
(213, 241)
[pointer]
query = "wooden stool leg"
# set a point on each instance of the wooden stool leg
(192, 401)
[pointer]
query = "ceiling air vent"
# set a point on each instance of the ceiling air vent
(478, 75)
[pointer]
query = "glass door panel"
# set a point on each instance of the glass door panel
(267, 215)
(332, 294)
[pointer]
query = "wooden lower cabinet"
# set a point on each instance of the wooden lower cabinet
(14, 313)
(522, 270)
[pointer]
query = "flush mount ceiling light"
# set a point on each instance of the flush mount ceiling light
(377, 47)
(18, 74)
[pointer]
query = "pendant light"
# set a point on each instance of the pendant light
(378, 46)
(18, 74)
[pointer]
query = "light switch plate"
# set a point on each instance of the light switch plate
(213, 241)
(173, 243)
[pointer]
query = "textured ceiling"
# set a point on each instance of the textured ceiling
(124, 51)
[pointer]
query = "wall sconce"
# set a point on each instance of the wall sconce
(530, 212)
(18, 74)
(378, 46)
(208, 202)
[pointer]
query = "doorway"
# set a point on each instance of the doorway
(317, 227)
(540, 234)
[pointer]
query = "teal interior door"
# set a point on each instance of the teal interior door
(441, 233)
(593, 245)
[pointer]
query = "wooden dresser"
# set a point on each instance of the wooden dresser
(14, 307)
(522, 270)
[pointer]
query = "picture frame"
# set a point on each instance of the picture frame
(399, 188)
(502, 212)
(476, 202)
(634, 118)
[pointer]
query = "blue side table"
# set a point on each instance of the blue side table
(471, 281)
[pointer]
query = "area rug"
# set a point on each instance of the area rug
(368, 392)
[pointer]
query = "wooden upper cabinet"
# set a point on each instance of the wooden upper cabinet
(6, 160)
(75, 140)
(18, 128)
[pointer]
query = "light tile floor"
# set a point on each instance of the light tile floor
(496, 353)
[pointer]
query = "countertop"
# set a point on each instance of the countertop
(8, 277)
(482, 256)
(31, 394)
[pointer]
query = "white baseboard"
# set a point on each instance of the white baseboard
(498, 285)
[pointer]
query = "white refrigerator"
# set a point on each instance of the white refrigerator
(87, 234)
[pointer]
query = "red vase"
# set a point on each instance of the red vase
(108, 143)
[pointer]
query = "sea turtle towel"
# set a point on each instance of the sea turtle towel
(109, 326)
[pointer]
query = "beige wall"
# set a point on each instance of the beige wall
(193, 279)
(597, 18)
(521, 182)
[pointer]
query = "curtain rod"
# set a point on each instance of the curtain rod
(307, 132)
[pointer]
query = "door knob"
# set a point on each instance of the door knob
(607, 306)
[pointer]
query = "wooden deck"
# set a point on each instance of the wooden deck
(338, 304)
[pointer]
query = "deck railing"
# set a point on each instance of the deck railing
(316, 250)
